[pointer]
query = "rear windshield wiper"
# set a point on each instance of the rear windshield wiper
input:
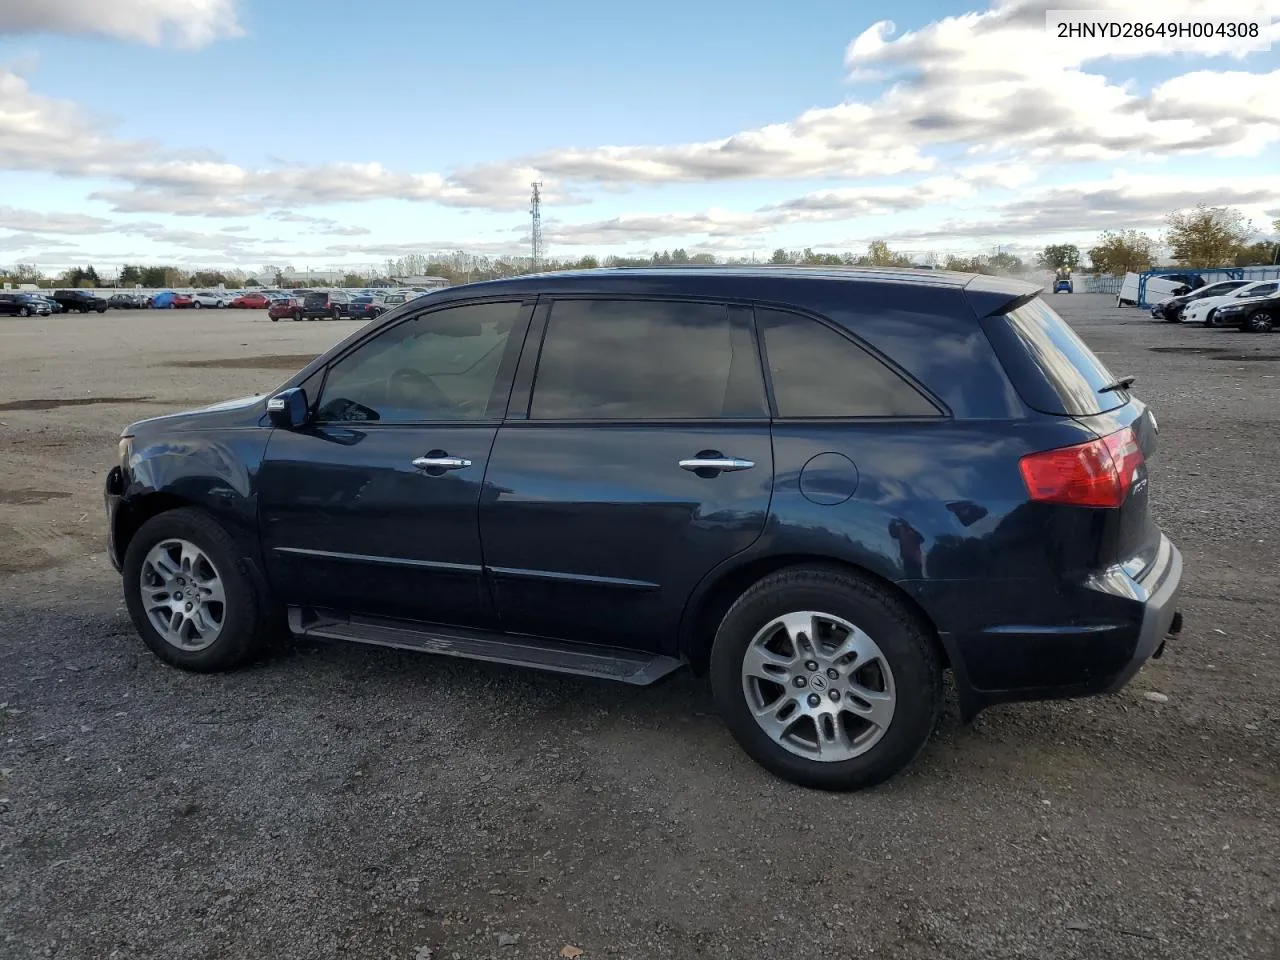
(1119, 383)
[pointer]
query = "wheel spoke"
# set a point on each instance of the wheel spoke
(160, 560)
(764, 664)
(191, 558)
(798, 625)
(857, 644)
(179, 605)
(833, 739)
(771, 717)
(874, 706)
(211, 591)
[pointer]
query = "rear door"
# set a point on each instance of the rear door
(636, 457)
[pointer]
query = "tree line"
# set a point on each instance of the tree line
(1197, 238)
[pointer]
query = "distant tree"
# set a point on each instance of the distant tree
(879, 255)
(679, 257)
(1005, 262)
(252, 282)
(1207, 236)
(22, 273)
(703, 259)
(153, 277)
(587, 263)
(1261, 253)
(130, 275)
(1122, 251)
(207, 278)
(353, 280)
(975, 264)
(781, 256)
(173, 277)
(1059, 256)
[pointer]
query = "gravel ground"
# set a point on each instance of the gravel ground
(351, 802)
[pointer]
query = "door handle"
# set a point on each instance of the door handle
(441, 463)
(723, 464)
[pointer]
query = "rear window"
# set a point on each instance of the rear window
(1051, 367)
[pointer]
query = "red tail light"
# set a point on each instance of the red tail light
(1095, 474)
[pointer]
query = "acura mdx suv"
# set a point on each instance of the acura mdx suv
(821, 489)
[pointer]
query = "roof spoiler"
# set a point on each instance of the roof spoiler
(989, 296)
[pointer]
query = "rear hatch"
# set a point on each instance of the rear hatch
(1056, 373)
(316, 301)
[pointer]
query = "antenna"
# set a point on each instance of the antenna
(535, 233)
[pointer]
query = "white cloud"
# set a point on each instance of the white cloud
(186, 23)
(33, 221)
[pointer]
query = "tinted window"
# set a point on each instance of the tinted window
(1066, 362)
(438, 366)
(1261, 290)
(647, 360)
(818, 372)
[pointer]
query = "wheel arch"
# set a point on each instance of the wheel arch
(717, 594)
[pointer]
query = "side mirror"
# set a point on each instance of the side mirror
(288, 408)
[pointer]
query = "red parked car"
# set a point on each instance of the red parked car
(284, 308)
(181, 301)
(251, 301)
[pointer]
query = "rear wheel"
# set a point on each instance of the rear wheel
(24, 312)
(297, 315)
(190, 594)
(1261, 322)
(826, 679)
(197, 305)
(337, 313)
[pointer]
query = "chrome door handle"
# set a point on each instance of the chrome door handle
(441, 463)
(725, 464)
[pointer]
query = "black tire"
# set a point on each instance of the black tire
(1211, 318)
(196, 305)
(297, 315)
(274, 319)
(245, 623)
(24, 312)
(904, 640)
(1262, 321)
(337, 313)
(84, 310)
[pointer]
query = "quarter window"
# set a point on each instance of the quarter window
(647, 360)
(443, 365)
(818, 372)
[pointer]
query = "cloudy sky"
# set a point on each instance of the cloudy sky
(325, 133)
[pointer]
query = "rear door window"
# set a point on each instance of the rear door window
(647, 360)
(1062, 361)
(818, 372)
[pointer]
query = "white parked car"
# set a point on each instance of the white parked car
(1202, 311)
(207, 299)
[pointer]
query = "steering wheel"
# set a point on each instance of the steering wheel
(408, 387)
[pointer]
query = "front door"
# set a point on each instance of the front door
(640, 460)
(373, 507)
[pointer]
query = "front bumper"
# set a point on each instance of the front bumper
(112, 493)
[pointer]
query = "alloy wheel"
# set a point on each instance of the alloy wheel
(1262, 322)
(819, 686)
(182, 595)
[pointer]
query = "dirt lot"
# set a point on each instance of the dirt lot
(350, 802)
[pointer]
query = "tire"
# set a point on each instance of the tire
(24, 312)
(274, 319)
(84, 310)
(899, 640)
(243, 627)
(1263, 321)
(196, 305)
(337, 314)
(297, 315)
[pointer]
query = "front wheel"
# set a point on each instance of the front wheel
(337, 314)
(1261, 322)
(24, 312)
(190, 595)
(197, 305)
(297, 315)
(826, 679)
(1211, 318)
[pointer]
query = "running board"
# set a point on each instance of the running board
(607, 663)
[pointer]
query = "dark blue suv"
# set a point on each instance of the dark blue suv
(820, 488)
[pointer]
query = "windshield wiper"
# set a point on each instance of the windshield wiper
(1119, 383)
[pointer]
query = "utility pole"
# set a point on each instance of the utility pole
(535, 232)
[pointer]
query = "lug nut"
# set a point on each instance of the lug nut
(835, 695)
(811, 666)
(801, 681)
(189, 607)
(814, 699)
(833, 673)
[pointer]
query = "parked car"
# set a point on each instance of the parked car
(325, 305)
(53, 305)
(208, 298)
(587, 472)
(285, 307)
(365, 308)
(1172, 309)
(168, 300)
(1254, 314)
(126, 301)
(80, 300)
(18, 304)
(1157, 287)
(1206, 311)
(251, 301)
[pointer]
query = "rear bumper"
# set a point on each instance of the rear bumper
(1115, 624)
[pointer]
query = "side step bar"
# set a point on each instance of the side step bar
(607, 663)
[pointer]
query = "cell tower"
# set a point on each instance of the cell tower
(535, 234)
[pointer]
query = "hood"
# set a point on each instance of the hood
(224, 413)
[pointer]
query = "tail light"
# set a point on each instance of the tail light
(1095, 474)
